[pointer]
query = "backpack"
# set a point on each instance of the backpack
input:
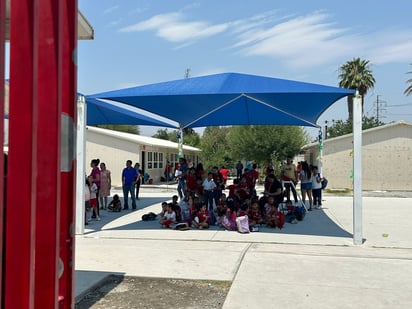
(324, 183)
(149, 217)
(299, 212)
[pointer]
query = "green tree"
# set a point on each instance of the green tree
(263, 143)
(215, 147)
(408, 90)
(356, 74)
(340, 127)
(190, 137)
(161, 134)
(121, 127)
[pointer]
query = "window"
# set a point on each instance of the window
(150, 160)
(161, 160)
(155, 159)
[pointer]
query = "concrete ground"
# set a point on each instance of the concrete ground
(312, 264)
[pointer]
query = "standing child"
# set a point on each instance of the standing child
(93, 198)
(316, 187)
(86, 200)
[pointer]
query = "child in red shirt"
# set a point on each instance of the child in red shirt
(201, 219)
(275, 218)
(255, 215)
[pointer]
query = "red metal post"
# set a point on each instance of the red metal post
(68, 88)
(47, 18)
(39, 231)
(2, 178)
(21, 189)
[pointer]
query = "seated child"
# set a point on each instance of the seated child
(201, 219)
(229, 220)
(243, 211)
(255, 215)
(115, 205)
(275, 218)
(169, 217)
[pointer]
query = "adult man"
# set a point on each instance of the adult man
(129, 176)
(289, 173)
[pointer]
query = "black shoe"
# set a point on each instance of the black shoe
(125, 208)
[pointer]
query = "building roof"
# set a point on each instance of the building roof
(84, 28)
(144, 140)
(367, 131)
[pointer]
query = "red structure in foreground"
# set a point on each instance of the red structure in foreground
(37, 218)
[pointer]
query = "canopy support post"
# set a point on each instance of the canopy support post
(357, 170)
(81, 165)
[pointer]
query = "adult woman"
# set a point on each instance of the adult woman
(138, 179)
(305, 177)
(95, 175)
(105, 185)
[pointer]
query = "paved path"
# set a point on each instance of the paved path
(312, 264)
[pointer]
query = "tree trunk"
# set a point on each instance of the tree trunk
(350, 107)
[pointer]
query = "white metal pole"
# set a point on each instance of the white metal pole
(80, 168)
(357, 170)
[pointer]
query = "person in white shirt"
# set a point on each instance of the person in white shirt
(316, 187)
(208, 187)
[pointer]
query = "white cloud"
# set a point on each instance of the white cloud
(171, 27)
(310, 41)
(110, 9)
(297, 41)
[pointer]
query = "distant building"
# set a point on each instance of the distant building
(386, 158)
(114, 148)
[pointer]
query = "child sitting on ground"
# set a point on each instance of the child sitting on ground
(255, 215)
(115, 205)
(169, 218)
(275, 218)
(201, 219)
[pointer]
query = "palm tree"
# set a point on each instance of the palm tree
(356, 74)
(408, 90)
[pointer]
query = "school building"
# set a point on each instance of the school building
(114, 148)
(386, 158)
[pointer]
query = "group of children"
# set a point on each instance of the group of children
(194, 213)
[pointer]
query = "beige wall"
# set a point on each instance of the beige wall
(116, 151)
(386, 159)
(112, 151)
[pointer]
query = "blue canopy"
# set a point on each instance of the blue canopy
(100, 112)
(232, 99)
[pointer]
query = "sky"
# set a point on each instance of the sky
(143, 42)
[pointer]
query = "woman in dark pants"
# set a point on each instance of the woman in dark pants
(138, 179)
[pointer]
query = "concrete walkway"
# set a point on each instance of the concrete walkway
(312, 264)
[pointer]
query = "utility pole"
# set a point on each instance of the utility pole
(379, 108)
(187, 73)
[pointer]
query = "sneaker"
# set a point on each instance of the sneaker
(294, 221)
(98, 219)
(255, 229)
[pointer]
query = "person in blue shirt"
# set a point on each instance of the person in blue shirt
(129, 176)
